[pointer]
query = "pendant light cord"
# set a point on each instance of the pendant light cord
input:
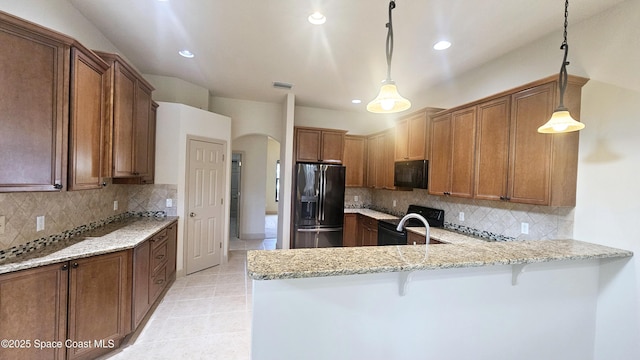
(389, 49)
(563, 77)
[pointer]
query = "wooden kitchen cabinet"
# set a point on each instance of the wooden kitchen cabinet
(33, 305)
(452, 154)
(319, 145)
(128, 148)
(492, 149)
(88, 86)
(34, 106)
(350, 230)
(354, 160)
(154, 267)
(412, 136)
(99, 301)
(367, 231)
(380, 160)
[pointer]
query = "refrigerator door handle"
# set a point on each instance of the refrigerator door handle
(324, 189)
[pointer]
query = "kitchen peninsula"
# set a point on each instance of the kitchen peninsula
(465, 299)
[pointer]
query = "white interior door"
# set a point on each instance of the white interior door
(205, 221)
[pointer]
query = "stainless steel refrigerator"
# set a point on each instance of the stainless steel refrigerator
(318, 205)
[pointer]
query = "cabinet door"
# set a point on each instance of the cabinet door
(142, 129)
(34, 75)
(530, 162)
(332, 147)
(99, 300)
(380, 161)
(308, 145)
(123, 121)
(372, 154)
(492, 149)
(33, 305)
(402, 140)
(151, 151)
(440, 155)
(86, 120)
(411, 137)
(388, 160)
(350, 230)
(463, 137)
(354, 158)
(141, 275)
(172, 248)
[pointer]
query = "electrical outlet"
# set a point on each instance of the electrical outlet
(169, 203)
(115, 205)
(461, 216)
(2, 220)
(39, 223)
(355, 198)
(524, 228)
(394, 203)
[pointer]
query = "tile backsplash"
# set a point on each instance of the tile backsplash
(503, 218)
(67, 210)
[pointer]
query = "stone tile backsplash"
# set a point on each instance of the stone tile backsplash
(503, 218)
(68, 210)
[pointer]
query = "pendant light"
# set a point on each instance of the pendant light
(388, 99)
(561, 121)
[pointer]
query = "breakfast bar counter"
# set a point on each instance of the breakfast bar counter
(465, 299)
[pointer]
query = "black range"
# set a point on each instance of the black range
(388, 235)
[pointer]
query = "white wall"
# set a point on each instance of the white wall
(174, 123)
(172, 89)
(61, 16)
(250, 117)
(286, 175)
(252, 187)
(356, 123)
(273, 155)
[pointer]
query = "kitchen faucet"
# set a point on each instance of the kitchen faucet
(419, 217)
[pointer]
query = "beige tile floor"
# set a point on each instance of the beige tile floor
(206, 315)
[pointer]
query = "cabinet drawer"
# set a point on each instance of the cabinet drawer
(369, 222)
(158, 256)
(157, 283)
(158, 238)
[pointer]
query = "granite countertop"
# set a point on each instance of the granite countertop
(457, 251)
(113, 237)
(370, 213)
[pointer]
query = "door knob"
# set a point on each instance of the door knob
(192, 214)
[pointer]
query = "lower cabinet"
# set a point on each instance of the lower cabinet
(84, 308)
(78, 309)
(350, 230)
(154, 267)
(367, 231)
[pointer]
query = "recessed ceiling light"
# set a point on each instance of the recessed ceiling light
(186, 53)
(442, 45)
(317, 18)
(356, 101)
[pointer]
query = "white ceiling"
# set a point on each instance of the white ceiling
(242, 46)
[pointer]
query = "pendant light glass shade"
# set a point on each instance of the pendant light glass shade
(388, 100)
(560, 122)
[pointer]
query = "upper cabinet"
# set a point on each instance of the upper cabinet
(129, 148)
(88, 85)
(412, 136)
(494, 145)
(354, 160)
(380, 156)
(319, 145)
(34, 106)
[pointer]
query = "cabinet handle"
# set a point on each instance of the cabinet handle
(75, 265)
(65, 267)
(57, 186)
(160, 257)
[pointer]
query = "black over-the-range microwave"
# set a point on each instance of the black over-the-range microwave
(411, 174)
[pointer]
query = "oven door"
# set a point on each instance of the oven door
(387, 235)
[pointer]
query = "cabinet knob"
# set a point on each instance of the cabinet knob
(75, 265)
(57, 186)
(502, 198)
(65, 267)
(104, 184)
(160, 257)
(159, 281)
